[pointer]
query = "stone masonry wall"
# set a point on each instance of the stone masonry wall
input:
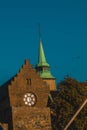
(25, 118)
(20, 86)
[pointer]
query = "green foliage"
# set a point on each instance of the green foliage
(70, 96)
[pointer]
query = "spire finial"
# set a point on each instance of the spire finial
(39, 31)
(41, 58)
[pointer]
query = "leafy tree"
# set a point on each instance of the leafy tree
(70, 96)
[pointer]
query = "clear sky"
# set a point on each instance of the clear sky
(64, 35)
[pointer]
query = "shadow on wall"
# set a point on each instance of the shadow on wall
(5, 109)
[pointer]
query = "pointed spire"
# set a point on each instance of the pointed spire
(42, 59)
(43, 68)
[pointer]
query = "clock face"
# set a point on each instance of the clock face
(29, 99)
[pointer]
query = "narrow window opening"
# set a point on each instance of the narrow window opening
(28, 81)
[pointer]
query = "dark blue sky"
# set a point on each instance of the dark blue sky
(64, 34)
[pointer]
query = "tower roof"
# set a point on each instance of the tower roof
(42, 59)
(44, 73)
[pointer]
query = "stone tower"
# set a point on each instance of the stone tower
(43, 68)
(23, 101)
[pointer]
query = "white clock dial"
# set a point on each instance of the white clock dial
(29, 99)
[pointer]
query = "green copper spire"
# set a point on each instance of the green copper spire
(42, 59)
(46, 74)
(43, 67)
